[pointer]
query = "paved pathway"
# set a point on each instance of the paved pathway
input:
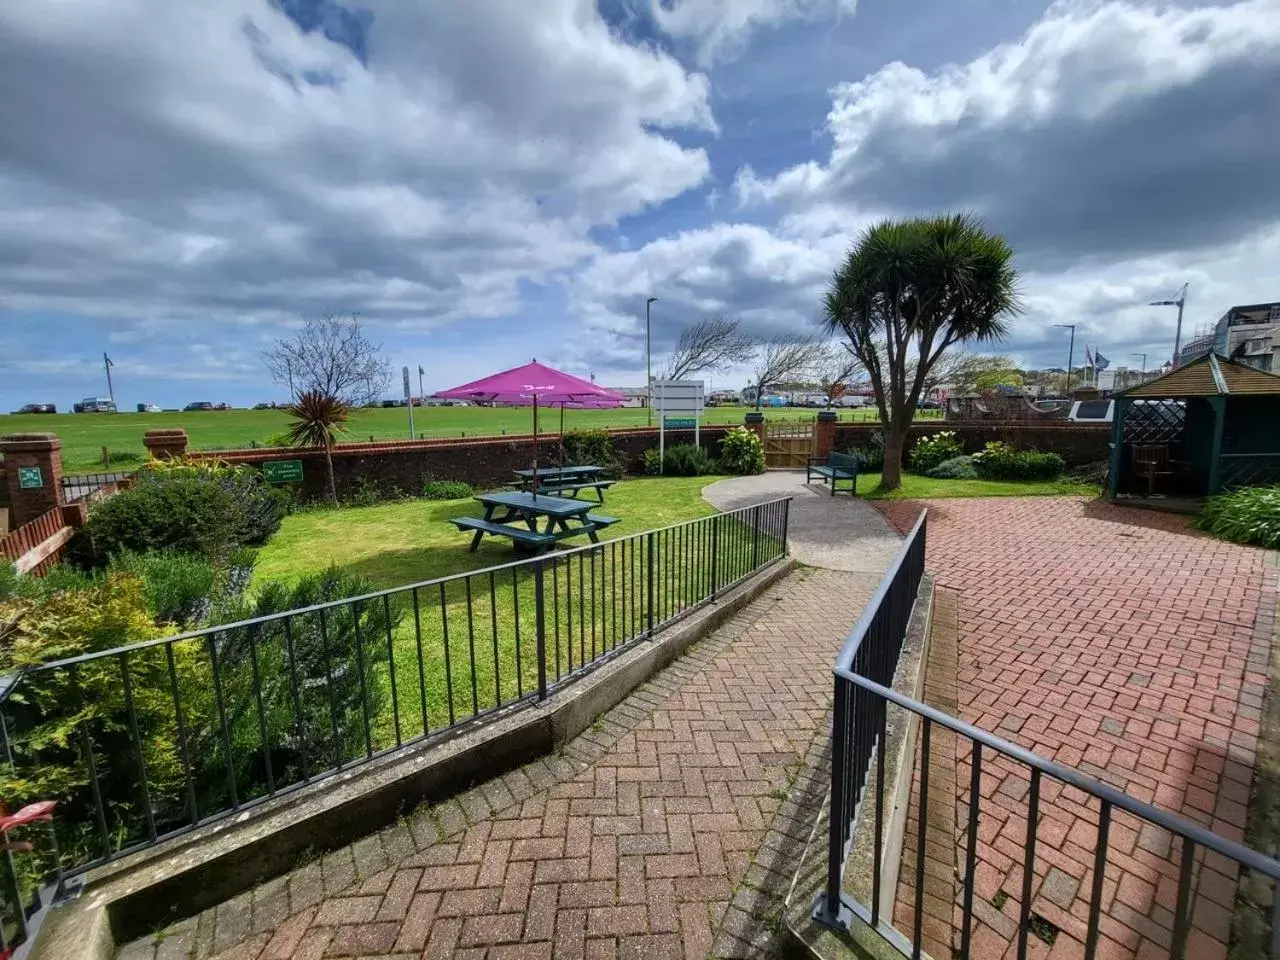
(1120, 642)
(646, 838)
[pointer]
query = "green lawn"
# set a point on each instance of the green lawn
(467, 646)
(84, 435)
(915, 487)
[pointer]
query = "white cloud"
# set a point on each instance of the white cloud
(720, 29)
(162, 160)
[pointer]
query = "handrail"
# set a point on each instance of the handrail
(1173, 822)
(529, 563)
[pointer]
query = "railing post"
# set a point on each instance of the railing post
(786, 524)
(755, 537)
(828, 910)
(715, 553)
(649, 540)
(539, 605)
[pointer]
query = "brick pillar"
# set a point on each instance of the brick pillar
(824, 434)
(755, 423)
(33, 472)
(163, 444)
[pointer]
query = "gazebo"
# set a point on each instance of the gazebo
(1208, 426)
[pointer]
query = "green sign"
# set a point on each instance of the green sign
(283, 471)
(679, 423)
(30, 478)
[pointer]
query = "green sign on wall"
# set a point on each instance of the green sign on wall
(30, 478)
(283, 471)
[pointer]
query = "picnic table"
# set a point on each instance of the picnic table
(517, 514)
(568, 480)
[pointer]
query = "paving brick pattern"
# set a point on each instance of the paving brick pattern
(649, 837)
(1125, 644)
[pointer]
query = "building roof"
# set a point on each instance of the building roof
(1208, 376)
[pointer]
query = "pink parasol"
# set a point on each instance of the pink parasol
(532, 384)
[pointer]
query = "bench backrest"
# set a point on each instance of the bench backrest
(845, 461)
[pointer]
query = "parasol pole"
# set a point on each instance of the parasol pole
(562, 434)
(535, 445)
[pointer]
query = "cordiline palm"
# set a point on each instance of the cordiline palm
(318, 420)
(909, 290)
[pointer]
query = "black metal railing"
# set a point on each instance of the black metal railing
(872, 648)
(863, 693)
(81, 485)
(146, 742)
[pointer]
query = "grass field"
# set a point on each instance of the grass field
(84, 435)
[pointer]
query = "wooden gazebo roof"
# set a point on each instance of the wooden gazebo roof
(1210, 376)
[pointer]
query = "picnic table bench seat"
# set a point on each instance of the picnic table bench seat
(834, 467)
(600, 520)
(573, 486)
(520, 534)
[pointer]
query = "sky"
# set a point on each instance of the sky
(497, 180)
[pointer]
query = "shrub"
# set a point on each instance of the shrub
(178, 587)
(118, 458)
(870, 454)
(593, 447)
(931, 451)
(957, 468)
(446, 490)
(201, 507)
(652, 462)
(741, 452)
(279, 439)
(1248, 515)
(999, 461)
(685, 460)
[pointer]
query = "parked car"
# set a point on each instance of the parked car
(148, 408)
(198, 405)
(222, 406)
(1090, 411)
(928, 405)
(38, 408)
(851, 401)
(95, 405)
(264, 406)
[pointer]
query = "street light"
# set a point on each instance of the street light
(1180, 301)
(1071, 351)
(1144, 361)
(648, 358)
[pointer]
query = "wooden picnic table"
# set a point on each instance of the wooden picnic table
(517, 514)
(570, 480)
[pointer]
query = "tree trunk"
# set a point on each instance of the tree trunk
(894, 440)
(328, 465)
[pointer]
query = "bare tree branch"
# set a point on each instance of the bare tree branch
(784, 359)
(712, 344)
(330, 356)
(835, 369)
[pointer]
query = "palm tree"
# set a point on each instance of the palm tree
(908, 291)
(317, 421)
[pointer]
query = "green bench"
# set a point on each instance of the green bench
(573, 486)
(834, 467)
(522, 535)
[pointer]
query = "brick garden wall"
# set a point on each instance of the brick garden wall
(406, 466)
(1077, 443)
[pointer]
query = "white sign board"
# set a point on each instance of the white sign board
(677, 398)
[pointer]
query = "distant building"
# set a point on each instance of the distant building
(636, 396)
(1249, 334)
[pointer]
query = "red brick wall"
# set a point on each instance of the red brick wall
(42, 450)
(1077, 443)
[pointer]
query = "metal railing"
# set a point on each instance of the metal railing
(81, 485)
(146, 742)
(858, 735)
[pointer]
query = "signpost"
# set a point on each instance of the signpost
(680, 403)
(282, 471)
(30, 478)
(408, 399)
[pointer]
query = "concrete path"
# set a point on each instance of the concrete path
(663, 832)
(836, 533)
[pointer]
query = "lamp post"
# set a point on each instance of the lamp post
(648, 357)
(1144, 360)
(1180, 301)
(1071, 352)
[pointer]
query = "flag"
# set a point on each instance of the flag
(1088, 358)
(1100, 361)
(108, 360)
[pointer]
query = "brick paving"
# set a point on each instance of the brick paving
(1125, 644)
(649, 836)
